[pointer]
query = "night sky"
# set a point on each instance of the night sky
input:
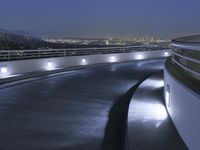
(103, 18)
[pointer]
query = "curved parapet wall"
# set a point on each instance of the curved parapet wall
(182, 88)
(10, 68)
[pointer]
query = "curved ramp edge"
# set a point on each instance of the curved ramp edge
(148, 123)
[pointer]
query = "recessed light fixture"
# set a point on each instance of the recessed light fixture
(112, 59)
(166, 54)
(4, 69)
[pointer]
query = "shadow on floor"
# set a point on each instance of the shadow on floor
(115, 131)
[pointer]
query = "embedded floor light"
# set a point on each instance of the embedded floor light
(166, 54)
(139, 56)
(112, 59)
(50, 65)
(83, 61)
(4, 69)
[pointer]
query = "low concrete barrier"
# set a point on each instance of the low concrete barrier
(10, 68)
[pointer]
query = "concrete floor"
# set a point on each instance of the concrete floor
(66, 112)
(149, 126)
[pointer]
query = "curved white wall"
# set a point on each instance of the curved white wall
(184, 109)
(33, 65)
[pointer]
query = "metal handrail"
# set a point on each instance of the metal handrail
(116, 47)
(187, 47)
(76, 48)
(186, 68)
(186, 57)
(9, 55)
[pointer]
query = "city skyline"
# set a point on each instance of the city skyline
(92, 18)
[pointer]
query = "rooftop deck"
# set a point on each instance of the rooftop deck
(71, 110)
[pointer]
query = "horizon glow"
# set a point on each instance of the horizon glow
(93, 18)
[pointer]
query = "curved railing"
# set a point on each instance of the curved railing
(182, 88)
(9, 55)
(187, 56)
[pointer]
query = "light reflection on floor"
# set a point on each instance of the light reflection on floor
(10, 76)
(147, 107)
(149, 126)
(145, 111)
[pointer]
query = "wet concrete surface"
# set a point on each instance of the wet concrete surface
(115, 132)
(69, 111)
(149, 126)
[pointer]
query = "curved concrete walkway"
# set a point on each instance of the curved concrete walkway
(149, 126)
(69, 111)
